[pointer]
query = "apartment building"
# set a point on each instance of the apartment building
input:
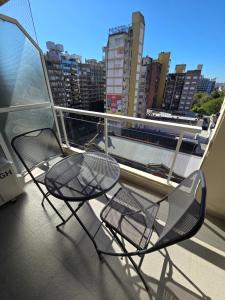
(189, 89)
(148, 85)
(73, 83)
(174, 87)
(123, 55)
(92, 84)
(143, 88)
(181, 87)
(63, 76)
(153, 85)
(206, 85)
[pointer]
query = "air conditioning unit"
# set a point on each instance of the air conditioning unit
(10, 185)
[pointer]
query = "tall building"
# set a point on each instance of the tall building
(92, 84)
(143, 88)
(174, 88)
(190, 88)
(70, 67)
(153, 83)
(148, 85)
(73, 83)
(164, 60)
(63, 76)
(123, 56)
(180, 68)
(206, 85)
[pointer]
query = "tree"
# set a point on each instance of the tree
(208, 104)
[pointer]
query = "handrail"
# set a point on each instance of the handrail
(159, 124)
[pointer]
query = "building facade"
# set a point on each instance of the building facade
(143, 88)
(174, 87)
(189, 89)
(206, 85)
(73, 83)
(123, 56)
(153, 83)
(92, 84)
(63, 72)
(148, 85)
(164, 60)
(180, 88)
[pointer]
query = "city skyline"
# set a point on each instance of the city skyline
(183, 30)
(192, 33)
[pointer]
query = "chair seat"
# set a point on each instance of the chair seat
(126, 214)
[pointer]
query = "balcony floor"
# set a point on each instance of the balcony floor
(38, 262)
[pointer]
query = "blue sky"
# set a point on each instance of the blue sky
(192, 30)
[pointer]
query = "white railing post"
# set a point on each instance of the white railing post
(175, 155)
(64, 128)
(106, 134)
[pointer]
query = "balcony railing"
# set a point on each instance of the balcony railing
(179, 130)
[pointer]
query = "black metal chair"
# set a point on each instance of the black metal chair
(133, 218)
(38, 149)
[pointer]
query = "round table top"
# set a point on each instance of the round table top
(83, 176)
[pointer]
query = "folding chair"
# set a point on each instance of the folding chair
(38, 149)
(132, 218)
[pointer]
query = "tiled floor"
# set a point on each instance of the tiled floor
(38, 262)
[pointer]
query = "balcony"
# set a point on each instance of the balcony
(38, 262)
(43, 263)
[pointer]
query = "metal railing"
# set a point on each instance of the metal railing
(180, 128)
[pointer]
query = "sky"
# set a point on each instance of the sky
(192, 30)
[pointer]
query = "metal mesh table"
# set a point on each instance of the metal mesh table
(82, 177)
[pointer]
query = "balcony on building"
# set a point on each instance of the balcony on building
(36, 261)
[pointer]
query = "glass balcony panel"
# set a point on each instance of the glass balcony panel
(188, 159)
(83, 132)
(17, 122)
(22, 79)
(148, 150)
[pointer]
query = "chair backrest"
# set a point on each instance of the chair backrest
(185, 213)
(36, 146)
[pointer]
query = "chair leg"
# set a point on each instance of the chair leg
(131, 260)
(45, 196)
(141, 261)
(43, 199)
(53, 207)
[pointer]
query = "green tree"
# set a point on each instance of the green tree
(208, 104)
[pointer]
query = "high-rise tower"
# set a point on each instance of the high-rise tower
(123, 56)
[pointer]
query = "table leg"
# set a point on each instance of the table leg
(65, 221)
(85, 229)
